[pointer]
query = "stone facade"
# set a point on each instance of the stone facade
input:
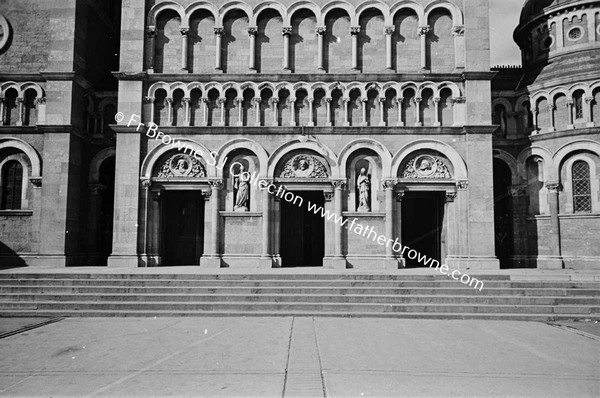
(304, 96)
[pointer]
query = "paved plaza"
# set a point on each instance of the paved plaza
(298, 357)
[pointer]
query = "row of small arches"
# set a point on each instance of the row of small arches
(19, 103)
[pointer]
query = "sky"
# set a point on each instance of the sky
(504, 18)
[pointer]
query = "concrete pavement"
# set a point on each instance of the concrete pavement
(298, 357)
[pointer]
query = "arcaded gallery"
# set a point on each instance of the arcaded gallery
(385, 113)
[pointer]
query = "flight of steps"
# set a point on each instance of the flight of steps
(393, 296)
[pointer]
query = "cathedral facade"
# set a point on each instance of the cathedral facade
(142, 133)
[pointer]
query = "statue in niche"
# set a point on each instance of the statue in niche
(241, 186)
(363, 186)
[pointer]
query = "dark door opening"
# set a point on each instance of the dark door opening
(422, 218)
(302, 232)
(503, 213)
(183, 227)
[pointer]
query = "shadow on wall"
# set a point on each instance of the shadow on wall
(9, 258)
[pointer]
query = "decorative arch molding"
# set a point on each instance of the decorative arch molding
(21, 88)
(242, 143)
(383, 8)
(34, 158)
(235, 5)
(365, 143)
(457, 16)
(315, 146)
(537, 97)
(504, 102)
(410, 5)
(458, 163)
(511, 162)
(271, 5)
(157, 9)
(301, 5)
(154, 155)
(566, 150)
(521, 101)
(201, 5)
(337, 4)
(96, 163)
(535, 151)
(157, 86)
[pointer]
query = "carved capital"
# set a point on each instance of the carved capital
(553, 186)
(462, 184)
(146, 183)
(169, 101)
(257, 100)
(156, 195)
(569, 104)
(382, 100)
(328, 196)
(39, 101)
(450, 196)
(459, 100)
(364, 99)
(338, 184)
(320, 30)
(184, 31)
(204, 99)
(400, 100)
(436, 100)
(286, 30)
(389, 30)
(151, 32)
(216, 183)
(328, 99)
(399, 196)
(206, 195)
(274, 100)
(219, 31)
(186, 100)
(424, 30)
(418, 100)
(147, 99)
(588, 100)
(36, 181)
(458, 30)
(252, 31)
(389, 184)
(20, 100)
(354, 30)
(519, 190)
(221, 100)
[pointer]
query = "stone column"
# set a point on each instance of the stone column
(184, 48)
(240, 103)
(423, 32)
(338, 196)
(354, 31)
(257, 101)
(346, 113)
(400, 101)
(221, 101)
(146, 183)
(554, 258)
(186, 102)
(418, 111)
(274, 102)
(328, 104)
(266, 207)
(311, 120)
(388, 186)
(364, 110)
(571, 110)
(218, 39)
(151, 34)
(448, 225)
(20, 102)
(286, 31)
(381, 111)
(320, 30)
(212, 258)
(436, 102)
(587, 112)
(252, 34)
(519, 195)
(1, 111)
(204, 111)
(292, 104)
(535, 113)
(389, 31)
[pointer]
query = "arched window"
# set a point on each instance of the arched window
(12, 185)
(578, 104)
(582, 194)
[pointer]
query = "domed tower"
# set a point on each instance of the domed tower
(547, 149)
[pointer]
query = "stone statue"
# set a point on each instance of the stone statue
(242, 185)
(363, 184)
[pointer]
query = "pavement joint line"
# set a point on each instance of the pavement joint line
(16, 384)
(31, 327)
(319, 358)
(287, 361)
(574, 331)
(158, 362)
(519, 375)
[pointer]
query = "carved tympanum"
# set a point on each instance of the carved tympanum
(181, 165)
(304, 166)
(426, 166)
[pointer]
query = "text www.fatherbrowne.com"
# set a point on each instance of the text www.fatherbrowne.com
(280, 191)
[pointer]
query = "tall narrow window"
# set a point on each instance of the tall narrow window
(12, 185)
(582, 193)
(578, 104)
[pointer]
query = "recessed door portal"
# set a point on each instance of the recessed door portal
(422, 220)
(302, 232)
(183, 226)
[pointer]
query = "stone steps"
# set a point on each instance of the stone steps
(397, 296)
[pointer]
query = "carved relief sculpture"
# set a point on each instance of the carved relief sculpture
(304, 166)
(363, 186)
(426, 166)
(181, 165)
(241, 188)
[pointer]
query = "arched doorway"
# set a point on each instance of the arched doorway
(107, 207)
(503, 213)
